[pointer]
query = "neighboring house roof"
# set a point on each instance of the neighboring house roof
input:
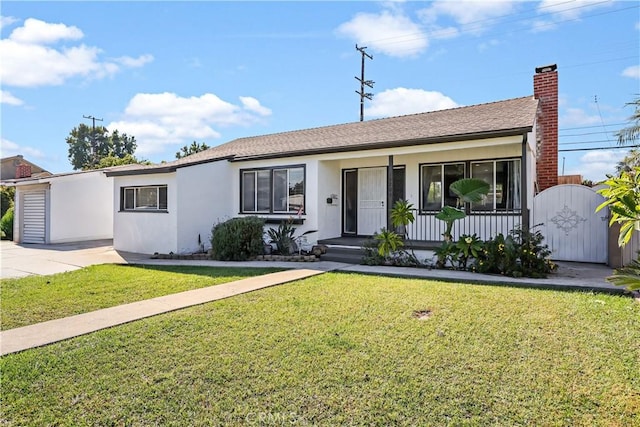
(502, 118)
(8, 166)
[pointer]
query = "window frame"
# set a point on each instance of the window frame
(442, 165)
(494, 187)
(135, 189)
(272, 193)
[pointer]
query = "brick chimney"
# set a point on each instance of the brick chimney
(545, 89)
(23, 171)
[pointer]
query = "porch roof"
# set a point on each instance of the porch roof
(501, 118)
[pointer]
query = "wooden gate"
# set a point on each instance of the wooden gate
(570, 225)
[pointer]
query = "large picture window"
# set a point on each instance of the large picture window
(434, 185)
(148, 198)
(274, 190)
(504, 177)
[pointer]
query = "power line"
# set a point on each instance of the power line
(584, 142)
(599, 148)
(584, 134)
(591, 127)
(476, 25)
(471, 28)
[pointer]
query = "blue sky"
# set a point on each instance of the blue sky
(170, 73)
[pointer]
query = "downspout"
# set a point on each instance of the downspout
(525, 191)
(389, 192)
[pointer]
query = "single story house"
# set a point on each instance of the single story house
(342, 180)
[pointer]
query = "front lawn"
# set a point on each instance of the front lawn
(34, 299)
(346, 349)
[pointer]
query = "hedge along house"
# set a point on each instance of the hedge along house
(342, 180)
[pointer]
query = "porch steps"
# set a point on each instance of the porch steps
(347, 254)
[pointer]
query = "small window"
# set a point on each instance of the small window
(435, 181)
(504, 178)
(149, 198)
(274, 190)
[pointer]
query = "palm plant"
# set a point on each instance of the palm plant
(631, 132)
(467, 190)
(388, 242)
(402, 215)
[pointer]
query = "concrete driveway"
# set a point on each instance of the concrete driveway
(19, 260)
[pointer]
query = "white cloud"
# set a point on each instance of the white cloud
(10, 148)
(138, 62)
(6, 21)
(555, 11)
(29, 61)
(9, 99)
(632, 71)
(390, 33)
(35, 31)
(253, 105)
(578, 117)
(595, 165)
(159, 119)
(468, 12)
(401, 101)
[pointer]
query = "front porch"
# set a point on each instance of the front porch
(426, 231)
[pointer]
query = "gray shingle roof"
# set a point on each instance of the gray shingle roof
(502, 117)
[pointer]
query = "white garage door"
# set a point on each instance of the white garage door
(34, 219)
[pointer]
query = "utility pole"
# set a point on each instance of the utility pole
(363, 82)
(93, 136)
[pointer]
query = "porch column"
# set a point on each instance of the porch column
(524, 191)
(389, 192)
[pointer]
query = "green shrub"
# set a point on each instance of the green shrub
(237, 239)
(7, 195)
(6, 224)
(385, 248)
(520, 254)
(283, 237)
(371, 253)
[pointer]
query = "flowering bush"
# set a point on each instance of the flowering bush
(520, 254)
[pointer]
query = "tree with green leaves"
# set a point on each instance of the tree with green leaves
(629, 162)
(631, 132)
(88, 146)
(188, 150)
(623, 199)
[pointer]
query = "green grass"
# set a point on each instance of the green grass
(342, 349)
(36, 299)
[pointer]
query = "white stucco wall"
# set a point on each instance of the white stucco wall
(329, 215)
(146, 232)
(324, 175)
(80, 207)
(313, 186)
(201, 195)
(204, 198)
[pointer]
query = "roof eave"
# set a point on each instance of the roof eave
(165, 169)
(391, 144)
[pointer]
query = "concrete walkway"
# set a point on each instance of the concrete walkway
(18, 261)
(19, 339)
